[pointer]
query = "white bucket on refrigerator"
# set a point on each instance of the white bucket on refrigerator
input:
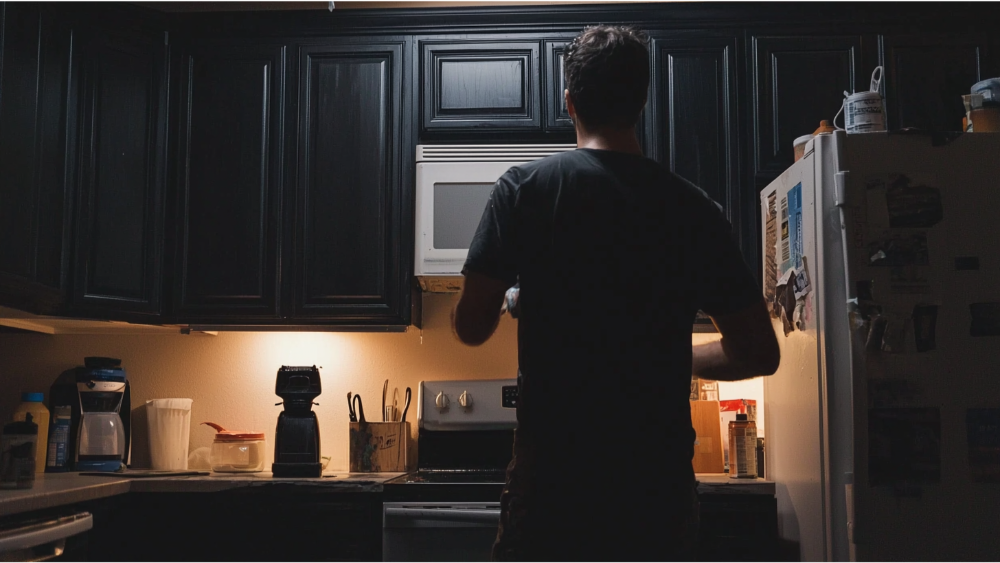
(169, 432)
(863, 111)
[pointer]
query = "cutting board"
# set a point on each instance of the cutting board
(708, 445)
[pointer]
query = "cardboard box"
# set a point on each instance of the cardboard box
(378, 446)
(708, 453)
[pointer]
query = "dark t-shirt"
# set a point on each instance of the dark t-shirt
(615, 255)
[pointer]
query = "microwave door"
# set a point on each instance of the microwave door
(451, 198)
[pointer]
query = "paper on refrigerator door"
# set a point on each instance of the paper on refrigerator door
(791, 229)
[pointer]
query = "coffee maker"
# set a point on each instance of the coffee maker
(296, 441)
(99, 400)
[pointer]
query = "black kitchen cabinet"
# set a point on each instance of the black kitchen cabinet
(556, 114)
(277, 522)
(229, 170)
(489, 85)
(696, 117)
(350, 262)
(798, 81)
(35, 174)
(927, 75)
(122, 164)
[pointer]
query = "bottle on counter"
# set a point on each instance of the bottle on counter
(32, 403)
(760, 458)
(17, 454)
(743, 448)
(58, 460)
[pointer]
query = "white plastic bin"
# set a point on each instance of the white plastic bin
(169, 432)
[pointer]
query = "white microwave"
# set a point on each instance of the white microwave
(453, 185)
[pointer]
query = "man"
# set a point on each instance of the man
(614, 255)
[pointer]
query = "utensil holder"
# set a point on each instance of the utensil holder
(378, 446)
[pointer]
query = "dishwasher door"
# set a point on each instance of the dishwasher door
(439, 531)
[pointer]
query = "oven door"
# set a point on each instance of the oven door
(439, 531)
(451, 197)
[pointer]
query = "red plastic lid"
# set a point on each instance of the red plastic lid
(224, 435)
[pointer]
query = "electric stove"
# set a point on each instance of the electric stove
(449, 508)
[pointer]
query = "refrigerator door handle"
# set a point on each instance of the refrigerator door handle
(840, 189)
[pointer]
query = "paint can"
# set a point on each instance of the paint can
(863, 111)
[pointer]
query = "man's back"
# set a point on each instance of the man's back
(610, 250)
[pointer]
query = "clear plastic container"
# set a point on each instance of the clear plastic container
(237, 452)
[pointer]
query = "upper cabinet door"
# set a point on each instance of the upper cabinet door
(695, 114)
(556, 114)
(481, 85)
(119, 242)
(230, 182)
(695, 121)
(35, 177)
(926, 77)
(800, 80)
(349, 249)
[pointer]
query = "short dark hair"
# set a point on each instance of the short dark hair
(606, 69)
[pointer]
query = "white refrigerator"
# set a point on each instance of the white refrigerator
(882, 266)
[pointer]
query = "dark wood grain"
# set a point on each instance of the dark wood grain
(799, 81)
(927, 76)
(473, 85)
(347, 222)
(230, 181)
(120, 227)
(34, 183)
(19, 191)
(556, 114)
(696, 116)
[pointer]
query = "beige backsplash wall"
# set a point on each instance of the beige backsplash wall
(231, 376)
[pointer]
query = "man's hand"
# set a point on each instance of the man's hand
(478, 310)
(748, 347)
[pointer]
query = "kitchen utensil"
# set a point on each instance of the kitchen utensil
(359, 409)
(350, 408)
(406, 405)
(237, 452)
(395, 404)
(169, 432)
(385, 388)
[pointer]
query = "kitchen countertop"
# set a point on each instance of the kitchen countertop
(59, 489)
(722, 484)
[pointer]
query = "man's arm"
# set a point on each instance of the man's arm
(478, 310)
(748, 347)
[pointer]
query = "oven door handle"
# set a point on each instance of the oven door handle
(15, 542)
(464, 515)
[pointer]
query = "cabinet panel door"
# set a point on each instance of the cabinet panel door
(800, 80)
(471, 85)
(348, 222)
(696, 115)
(926, 77)
(121, 212)
(231, 182)
(35, 182)
(556, 115)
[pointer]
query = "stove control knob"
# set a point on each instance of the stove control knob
(441, 401)
(465, 399)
